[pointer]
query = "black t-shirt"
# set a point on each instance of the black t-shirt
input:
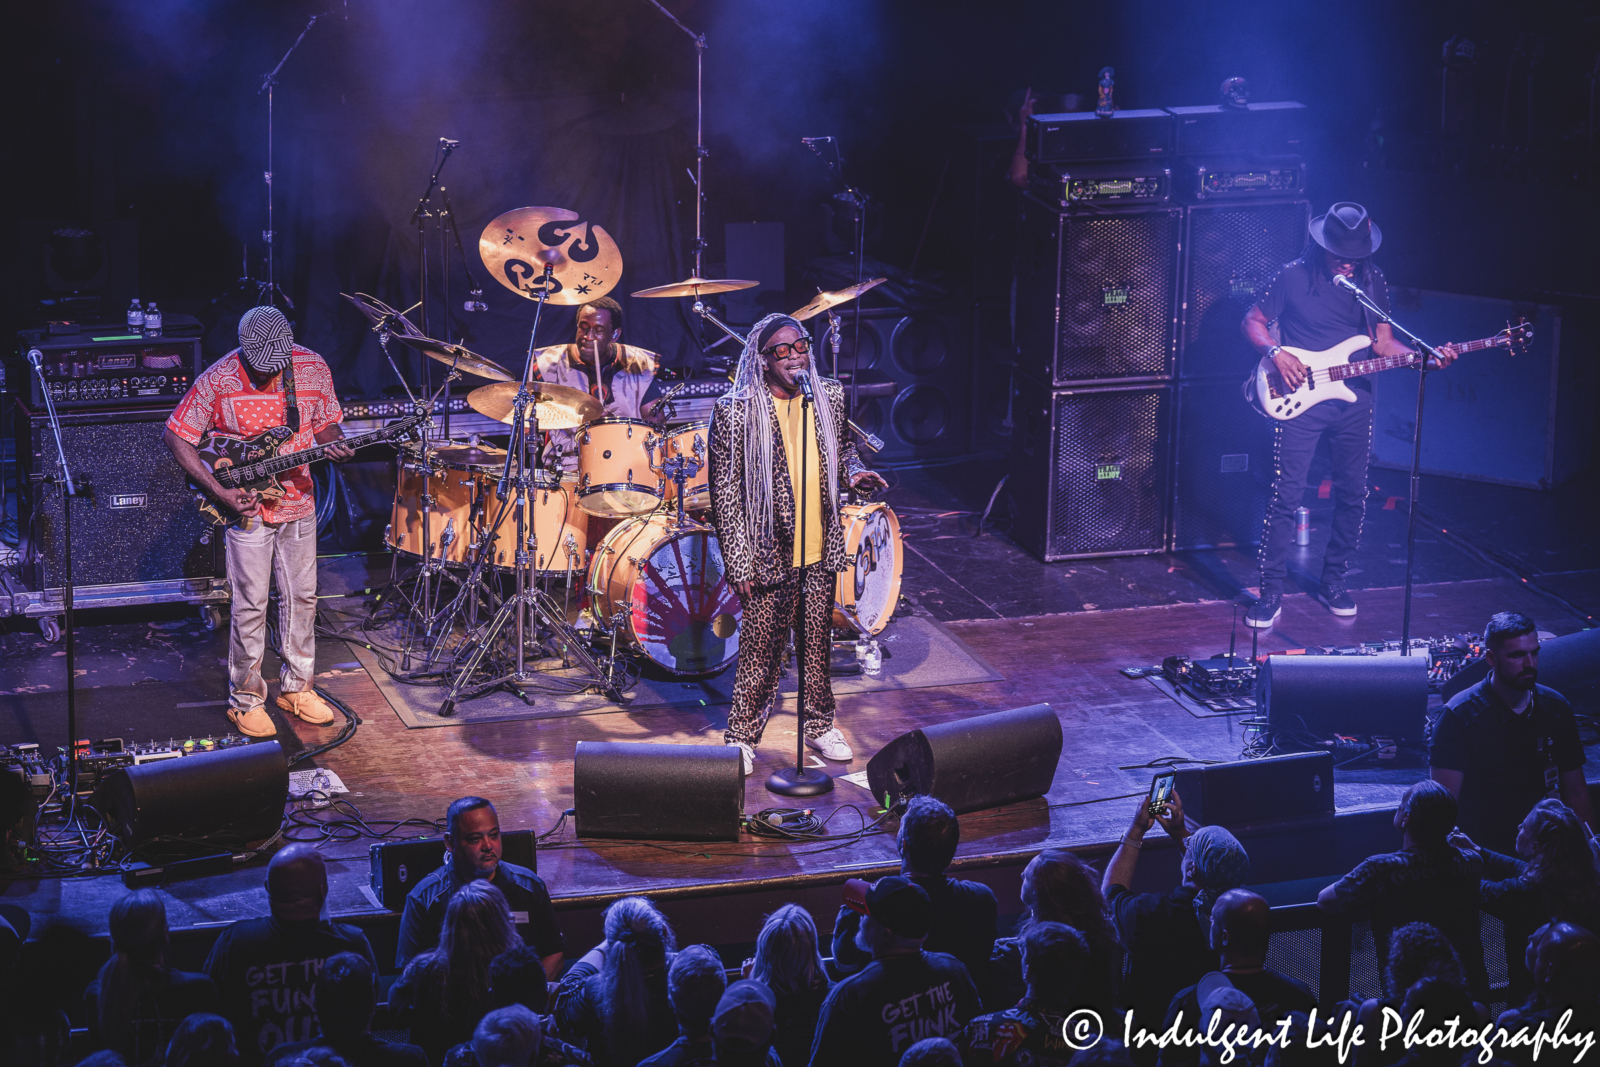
(164, 1000)
(1167, 950)
(525, 893)
(871, 1018)
(686, 1053)
(265, 970)
(1314, 313)
(794, 1024)
(965, 923)
(1273, 993)
(1505, 759)
(357, 1050)
(579, 1020)
(1027, 1035)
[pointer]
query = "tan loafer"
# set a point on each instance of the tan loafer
(307, 706)
(253, 723)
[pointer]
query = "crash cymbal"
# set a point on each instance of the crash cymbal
(823, 301)
(699, 287)
(378, 313)
(470, 454)
(516, 246)
(464, 359)
(560, 407)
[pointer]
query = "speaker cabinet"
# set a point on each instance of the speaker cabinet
(1089, 470)
(1222, 467)
(981, 762)
(666, 792)
(139, 522)
(914, 371)
(1258, 790)
(1320, 696)
(1233, 251)
(236, 791)
(1097, 295)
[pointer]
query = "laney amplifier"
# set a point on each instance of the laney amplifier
(109, 369)
(1243, 179)
(397, 866)
(1134, 181)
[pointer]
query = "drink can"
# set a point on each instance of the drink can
(1302, 526)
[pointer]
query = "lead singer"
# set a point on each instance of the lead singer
(754, 506)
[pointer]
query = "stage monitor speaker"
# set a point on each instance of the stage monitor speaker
(1089, 470)
(1320, 696)
(397, 866)
(1569, 664)
(1097, 295)
(1232, 251)
(914, 373)
(665, 792)
(1222, 467)
(981, 762)
(139, 522)
(238, 791)
(1258, 790)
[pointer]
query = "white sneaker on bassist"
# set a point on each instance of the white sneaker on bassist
(749, 755)
(832, 745)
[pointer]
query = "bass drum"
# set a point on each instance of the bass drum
(869, 588)
(680, 610)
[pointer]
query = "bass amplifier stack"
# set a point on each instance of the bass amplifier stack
(1132, 435)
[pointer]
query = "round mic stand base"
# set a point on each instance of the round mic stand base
(799, 781)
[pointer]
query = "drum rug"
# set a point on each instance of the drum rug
(919, 653)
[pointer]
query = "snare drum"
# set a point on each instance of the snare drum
(616, 467)
(694, 443)
(455, 491)
(680, 609)
(869, 588)
(557, 531)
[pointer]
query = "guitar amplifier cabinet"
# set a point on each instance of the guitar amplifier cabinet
(137, 537)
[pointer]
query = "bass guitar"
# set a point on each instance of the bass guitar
(1326, 371)
(253, 463)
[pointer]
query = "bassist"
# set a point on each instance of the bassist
(268, 381)
(1313, 313)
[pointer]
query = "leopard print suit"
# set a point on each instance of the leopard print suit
(771, 612)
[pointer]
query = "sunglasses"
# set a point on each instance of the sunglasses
(781, 351)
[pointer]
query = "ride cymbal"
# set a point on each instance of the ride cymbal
(584, 259)
(560, 407)
(823, 301)
(461, 358)
(699, 287)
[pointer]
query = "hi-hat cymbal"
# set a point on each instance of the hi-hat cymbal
(560, 407)
(462, 358)
(378, 313)
(699, 287)
(823, 301)
(584, 259)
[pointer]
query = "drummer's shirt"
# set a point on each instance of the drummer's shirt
(790, 412)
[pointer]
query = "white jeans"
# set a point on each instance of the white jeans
(257, 555)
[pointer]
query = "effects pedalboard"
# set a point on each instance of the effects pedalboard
(44, 775)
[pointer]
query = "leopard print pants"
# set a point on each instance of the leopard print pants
(770, 616)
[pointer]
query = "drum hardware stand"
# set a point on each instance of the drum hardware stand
(680, 469)
(857, 200)
(420, 217)
(700, 151)
(872, 442)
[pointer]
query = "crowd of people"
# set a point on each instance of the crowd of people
(917, 972)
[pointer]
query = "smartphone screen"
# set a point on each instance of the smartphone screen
(1161, 792)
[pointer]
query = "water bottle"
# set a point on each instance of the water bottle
(861, 650)
(152, 320)
(135, 317)
(874, 661)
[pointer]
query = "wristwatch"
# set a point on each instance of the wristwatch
(1273, 351)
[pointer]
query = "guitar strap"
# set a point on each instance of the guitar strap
(291, 405)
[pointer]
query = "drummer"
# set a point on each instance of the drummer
(626, 384)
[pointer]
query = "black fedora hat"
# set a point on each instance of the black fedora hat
(1346, 231)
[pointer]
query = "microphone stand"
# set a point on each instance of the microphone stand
(700, 151)
(420, 216)
(1429, 353)
(858, 200)
(800, 780)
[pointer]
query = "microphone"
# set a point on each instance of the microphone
(815, 140)
(475, 302)
(1341, 280)
(804, 379)
(445, 142)
(35, 357)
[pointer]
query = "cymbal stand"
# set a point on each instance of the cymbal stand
(700, 151)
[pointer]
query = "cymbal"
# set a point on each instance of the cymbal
(699, 287)
(585, 260)
(471, 454)
(560, 407)
(464, 359)
(823, 301)
(376, 312)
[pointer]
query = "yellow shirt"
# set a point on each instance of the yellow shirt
(789, 416)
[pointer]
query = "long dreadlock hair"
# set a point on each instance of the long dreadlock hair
(750, 389)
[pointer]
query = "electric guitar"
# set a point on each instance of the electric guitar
(253, 463)
(1327, 370)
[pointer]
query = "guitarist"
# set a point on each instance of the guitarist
(268, 381)
(1313, 313)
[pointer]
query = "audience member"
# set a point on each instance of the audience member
(1110, 1052)
(203, 1040)
(507, 1037)
(138, 1001)
(1241, 927)
(932, 1052)
(1166, 934)
(904, 995)
(741, 1030)
(314, 1056)
(614, 1000)
(1416, 951)
(264, 969)
(35, 1036)
(788, 962)
(106, 1058)
(695, 983)
(1296, 1051)
(516, 976)
(1058, 887)
(964, 913)
(472, 853)
(1439, 1001)
(1506, 743)
(1566, 975)
(1058, 976)
(1219, 1005)
(344, 998)
(1428, 880)
(443, 993)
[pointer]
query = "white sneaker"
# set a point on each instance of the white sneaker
(832, 745)
(749, 756)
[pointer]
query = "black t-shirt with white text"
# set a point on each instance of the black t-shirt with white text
(872, 1017)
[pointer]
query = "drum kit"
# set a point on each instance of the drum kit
(624, 539)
